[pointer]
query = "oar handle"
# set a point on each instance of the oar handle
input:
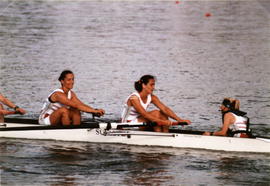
(148, 124)
(95, 115)
(182, 123)
(126, 125)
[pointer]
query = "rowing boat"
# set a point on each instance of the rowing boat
(123, 133)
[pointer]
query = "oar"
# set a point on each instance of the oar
(85, 125)
(50, 127)
(21, 120)
(186, 131)
(148, 124)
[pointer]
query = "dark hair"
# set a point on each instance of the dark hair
(227, 103)
(232, 104)
(143, 80)
(64, 73)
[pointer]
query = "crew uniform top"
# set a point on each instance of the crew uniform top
(240, 124)
(49, 107)
(129, 113)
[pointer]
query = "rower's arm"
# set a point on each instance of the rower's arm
(166, 110)
(7, 112)
(99, 112)
(228, 120)
(135, 102)
(7, 102)
(73, 102)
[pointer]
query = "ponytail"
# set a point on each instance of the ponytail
(143, 80)
(236, 104)
(232, 104)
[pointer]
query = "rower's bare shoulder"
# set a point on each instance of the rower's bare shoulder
(134, 97)
(229, 116)
(132, 100)
(57, 95)
(154, 97)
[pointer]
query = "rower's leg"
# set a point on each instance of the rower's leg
(75, 115)
(160, 115)
(60, 116)
(157, 114)
(1, 115)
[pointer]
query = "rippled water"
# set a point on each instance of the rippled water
(64, 163)
(198, 60)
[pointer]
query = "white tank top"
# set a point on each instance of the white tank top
(129, 113)
(49, 107)
(239, 124)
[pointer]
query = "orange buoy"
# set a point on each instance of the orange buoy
(208, 14)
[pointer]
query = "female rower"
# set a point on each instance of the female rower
(62, 106)
(135, 108)
(235, 123)
(7, 102)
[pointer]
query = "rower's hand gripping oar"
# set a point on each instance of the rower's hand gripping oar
(182, 123)
(95, 115)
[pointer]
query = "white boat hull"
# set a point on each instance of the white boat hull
(133, 137)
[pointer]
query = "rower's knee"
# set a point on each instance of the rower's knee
(63, 111)
(155, 113)
(158, 114)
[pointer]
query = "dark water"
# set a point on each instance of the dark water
(62, 163)
(198, 60)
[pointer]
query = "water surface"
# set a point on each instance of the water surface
(197, 60)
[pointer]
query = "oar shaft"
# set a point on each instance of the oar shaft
(49, 127)
(186, 131)
(86, 125)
